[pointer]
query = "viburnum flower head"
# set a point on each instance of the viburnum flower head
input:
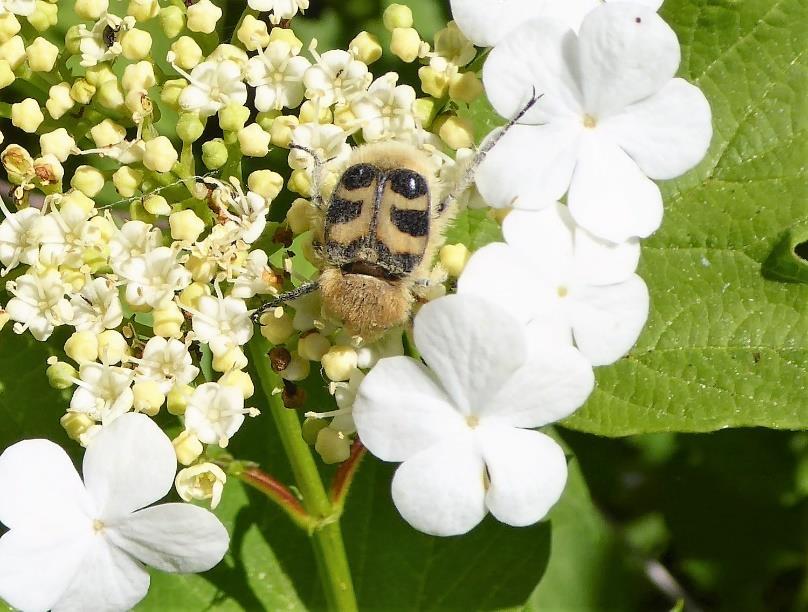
(564, 283)
(475, 18)
(82, 546)
(611, 117)
(462, 429)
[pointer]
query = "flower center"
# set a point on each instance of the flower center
(589, 121)
(472, 421)
(562, 291)
(98, 526)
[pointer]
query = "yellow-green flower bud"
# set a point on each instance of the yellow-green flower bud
(310, 428)
(191, 294)
(159, 154)
(110, 95)
(296, 369)
(288, 36)
(112, 347)
(281, 131)
(313, 346)
(7, 75)
(333, 446)
(339, 362)
(314, 113)
(59, 100)
(454, 257)
(231, 359)
(277, 328)
(127, 180)
(13, 51)
(300, 216)
(456, 132)
(45, 15)
(365, 47)
(107, 133)
(253, 33)
(433, 82)
(265, 183)
(90, 10)
(171, 91)
(147, 397)
(27, 115)
(73, 38)
(88, 180)
(172, 19)
(187, 52)
(136, 44)
(465, 87)
(187, 446)
(177, 399)
(76, 424)
(426, 109)
(239, 379)
(397, 16)
(82, 347)
(41, 55)
(253, 141)
(265, 118)
(202, 16)
(157, 205)
(143, 10)
(214, 153)
(189, 127)
(233, 117)
(185, 225)
(61, 375)
(58, 143)
(100, 73)
(9, 26)
(82, 91)
(168, 320)
(300, 183)
(405, 44)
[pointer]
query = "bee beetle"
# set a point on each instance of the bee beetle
(379, 232)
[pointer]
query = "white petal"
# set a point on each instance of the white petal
(527, 472)
(545, 237)
(440, 491)
(552, 384)
(666, 134)
(109, 580)
(531, 166)
(179, 538)
(37, 563)
(41, 486)
(543, 55)
(610, 196)
(401, 410)
(128, 465)
(627, 53)
(601, 262)
(608, 320)
(472, 345)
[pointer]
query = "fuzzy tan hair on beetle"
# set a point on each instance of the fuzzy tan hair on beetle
(378, 231)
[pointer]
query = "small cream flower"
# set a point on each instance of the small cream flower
(201, 481)
(277, 74)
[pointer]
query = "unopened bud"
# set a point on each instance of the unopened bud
(253, 33)
(253, 141)
(313, 346)
(110, 95)
(143, 10)
(233, 117)
(147, 397)
(454, 257)
(310, 428)
(41, 55)
(265, 183)
(288, 36)
(107, 133)
(405, 44)
(136, 44)
(27, 115)
(231, 359)
(61, 375)
(333, 446)
(82, 91)
(76, 424)
(433, 82)
(300, 183)
(90, 10)
(58, 143)
(157, 205)
(239, 379)
(112, 347)
(127, 180)
(191, 294)
(282, 130)
(214, 153)
(456, 132)
(187, 447)
(170, 93)
(82, 347)
(397, 16)
(168, 320)
(300, 216)
(187, 53)
(177, 399)
(59, 100)
(365, 47)
(88, 180)
(190, 127)
(276, 329)
(172, 19)
(45, 15)
(202, 16)
(13, 51)
(339, 362)
(9, 26)
(7, 76)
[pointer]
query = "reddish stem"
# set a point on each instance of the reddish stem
(344, 476)
(277, 492)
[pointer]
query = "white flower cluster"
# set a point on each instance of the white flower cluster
(515, 348)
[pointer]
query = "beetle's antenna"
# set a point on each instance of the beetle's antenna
(281, 299)
(316, 175)
(483, 151)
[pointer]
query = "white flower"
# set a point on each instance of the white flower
(461, 428)
(563, 282)
(221, 322)
(280, 9)
(97, 306)
(66, 233)
(386, 110)
(82, 546)
(215, 412)
(201, 481)
(18, 7)
(252, 209)
(104, 392)
(214, 84)
(154, 277)
(102, 43)
(166, 362)
(337, 78)
(611, 116)
(256, 278)
(20, 237)
(39, 303)
(134, 239)
(327, 140)
(486, 27)
(277, 74)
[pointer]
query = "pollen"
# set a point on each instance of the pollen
(589, 121)
(98, 526)
(472, 421)
(562, 291)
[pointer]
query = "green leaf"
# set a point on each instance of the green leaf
(398, 568)
(726, 343)
(474, 228)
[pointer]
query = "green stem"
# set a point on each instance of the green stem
(326, 535)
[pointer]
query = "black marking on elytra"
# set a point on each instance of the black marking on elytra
(408, 184)
(342, 211)
(397, 263)
(359, 176)
(412, 222)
